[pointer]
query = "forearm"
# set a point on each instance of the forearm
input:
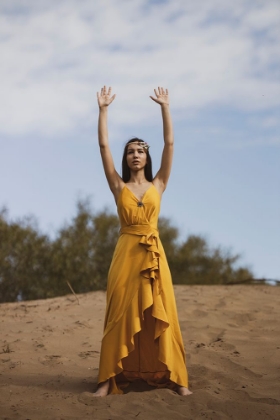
(103, 127)
(167, 125)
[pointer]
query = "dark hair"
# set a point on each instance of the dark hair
(125, 168)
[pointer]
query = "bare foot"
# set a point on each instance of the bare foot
(102, 389)
(183, 391)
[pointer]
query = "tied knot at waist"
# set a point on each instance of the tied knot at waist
(140, 230)
(149, 240)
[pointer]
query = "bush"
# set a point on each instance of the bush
(34, 267)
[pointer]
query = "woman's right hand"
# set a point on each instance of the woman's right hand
(104, 98)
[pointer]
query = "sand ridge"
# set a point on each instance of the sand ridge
(49, 354)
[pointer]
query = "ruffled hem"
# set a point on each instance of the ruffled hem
(126, 331)
(156, 379)
(148, 295)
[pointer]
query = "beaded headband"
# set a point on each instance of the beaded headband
(139, 143)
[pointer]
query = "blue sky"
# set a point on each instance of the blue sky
(220, 61)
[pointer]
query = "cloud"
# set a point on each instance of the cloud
(56, 54)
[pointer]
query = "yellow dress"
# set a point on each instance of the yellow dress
(142, 337)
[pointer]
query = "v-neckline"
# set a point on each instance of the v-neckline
(132, 193)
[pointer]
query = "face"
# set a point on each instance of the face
(136, 157)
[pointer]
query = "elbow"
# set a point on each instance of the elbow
(169, 144)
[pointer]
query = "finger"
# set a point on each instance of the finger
(154, 99)
(113, 97)
(156, 92)
(104, 90)
(109, 91)
(166, 91)
(162, 91)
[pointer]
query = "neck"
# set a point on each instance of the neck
(137, 177)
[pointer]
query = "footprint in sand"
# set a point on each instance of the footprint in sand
(220, 304)
(219, 344)
(52, 360)
(199, 313)
(89, 353)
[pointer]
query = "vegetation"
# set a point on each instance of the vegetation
(32, 266)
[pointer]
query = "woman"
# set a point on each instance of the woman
(142, 338)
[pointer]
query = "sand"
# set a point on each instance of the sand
(49, 354)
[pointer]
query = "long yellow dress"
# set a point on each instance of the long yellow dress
(142, 337)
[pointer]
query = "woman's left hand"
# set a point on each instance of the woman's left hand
(162, 97)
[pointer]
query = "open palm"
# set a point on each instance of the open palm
(162, 97)
(104, 98)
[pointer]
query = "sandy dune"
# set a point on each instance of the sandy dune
(49, 353)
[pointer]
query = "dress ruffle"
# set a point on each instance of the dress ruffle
(149, 240)
(140, 294)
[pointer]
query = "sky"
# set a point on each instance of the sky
(220, 61)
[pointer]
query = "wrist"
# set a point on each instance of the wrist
(164, 106)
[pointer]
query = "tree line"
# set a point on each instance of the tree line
(33, 266)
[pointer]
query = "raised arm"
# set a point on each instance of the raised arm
(161, 178)
(115, 182)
